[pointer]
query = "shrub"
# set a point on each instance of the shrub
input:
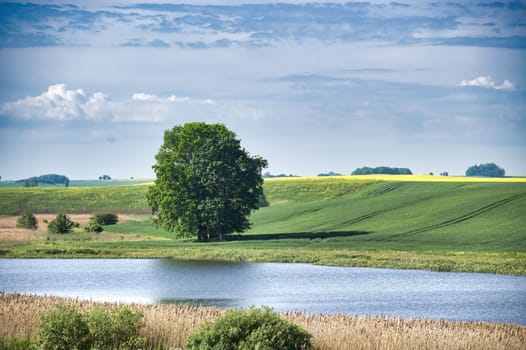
(27, 220)
(61, 224)
(63, 328)
(66, 328)
(115, 328)
(93, 226)
(251, 329)
(105, 218)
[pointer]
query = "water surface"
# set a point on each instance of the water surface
(299, 287)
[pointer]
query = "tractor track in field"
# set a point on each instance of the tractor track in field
(464, 217)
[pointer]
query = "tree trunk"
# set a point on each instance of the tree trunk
(202, 236)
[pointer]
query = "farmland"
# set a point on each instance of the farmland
(424, 222)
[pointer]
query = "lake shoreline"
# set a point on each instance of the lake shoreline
(512, 263)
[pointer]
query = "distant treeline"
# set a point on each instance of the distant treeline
(330, 173)
(51, 179)
(268, 175)
(381, 170)
(489, 170)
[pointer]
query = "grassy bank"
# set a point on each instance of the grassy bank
(455, 224)
(167, 327)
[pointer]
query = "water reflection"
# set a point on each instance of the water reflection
(222, 303)
(298, 287)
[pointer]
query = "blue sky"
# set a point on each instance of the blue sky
(88, 88)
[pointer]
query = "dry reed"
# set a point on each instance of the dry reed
(167, 327)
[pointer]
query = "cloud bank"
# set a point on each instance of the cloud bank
(165, 25)
(58, 103)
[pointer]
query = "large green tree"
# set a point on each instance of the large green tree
(206, 184)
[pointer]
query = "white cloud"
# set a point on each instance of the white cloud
(487, 82)
(58, 103)
(141, 96)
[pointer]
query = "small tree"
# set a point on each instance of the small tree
(61, 224)
(27, 220)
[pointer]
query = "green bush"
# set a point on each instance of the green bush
(105, 218)
(63, 328)
(93, 227)
(247, 330)
(27, 220)
(114, 328)
(61, 224)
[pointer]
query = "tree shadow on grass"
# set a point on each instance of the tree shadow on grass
(298, 235)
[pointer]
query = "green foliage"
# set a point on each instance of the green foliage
(31, 182)
(115, 328)
(61, 224)
(105, 218)
(67, 328)
(381, 170)
(63, 328)
(247, 330)
(51, 179)
(16, 344)
(489, 170)
(206, 184)
(93, 226)
(27, 220)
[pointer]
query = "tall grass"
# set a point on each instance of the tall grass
(167, 327)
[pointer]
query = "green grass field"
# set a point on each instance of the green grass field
(456, 224)
(120, 199)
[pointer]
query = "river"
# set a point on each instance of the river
(285, 287)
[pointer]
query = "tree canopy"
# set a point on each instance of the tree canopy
(489, 170)
(381, 170)
(206, 185)
(51, 179)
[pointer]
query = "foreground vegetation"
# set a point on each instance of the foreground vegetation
(422, 222)
(168, 327)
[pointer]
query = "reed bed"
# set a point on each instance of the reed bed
(167, 326)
